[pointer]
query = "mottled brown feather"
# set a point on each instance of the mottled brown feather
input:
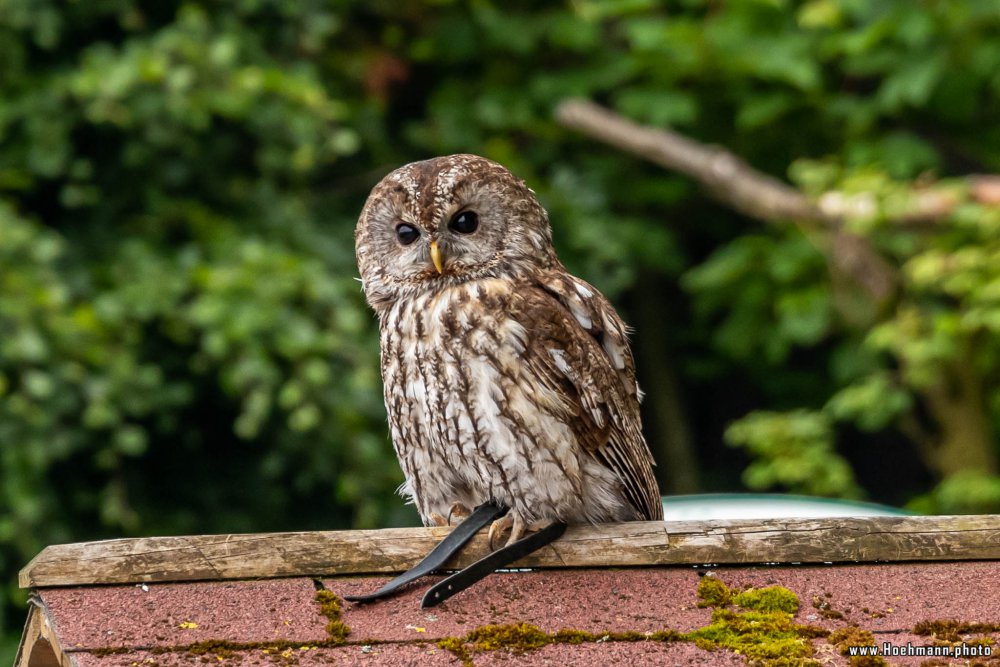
(604, 407)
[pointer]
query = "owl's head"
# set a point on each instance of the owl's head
(447, 220)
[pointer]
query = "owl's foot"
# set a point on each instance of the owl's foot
(501, 526)
(457, 513)
(515, 523)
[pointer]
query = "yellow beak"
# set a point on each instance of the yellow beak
(436, 257)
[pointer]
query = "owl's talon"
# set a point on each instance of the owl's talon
(439, 520)
(516, 530)
(517, 526)
(499, 527)
(458, 511)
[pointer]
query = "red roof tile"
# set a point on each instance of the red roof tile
(258, 618)
(172, 614)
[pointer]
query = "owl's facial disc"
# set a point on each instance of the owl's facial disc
(448, 220)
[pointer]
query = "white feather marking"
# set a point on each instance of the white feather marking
(415, 390)
(559, 357)
(518, 338)
(580, 314)
(616, 352)
(614, 348)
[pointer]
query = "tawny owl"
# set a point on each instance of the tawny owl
(506, 378)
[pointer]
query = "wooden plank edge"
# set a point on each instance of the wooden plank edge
(336, 553)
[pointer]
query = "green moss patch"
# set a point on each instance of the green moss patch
(768, 600)
(516, 638)
(855, 636)
(713, 593)
(760, 628)
(456, 646)
(519, 638)
(329, 606)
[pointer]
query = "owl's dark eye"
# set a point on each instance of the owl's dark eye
(465, 222)
(407, 234)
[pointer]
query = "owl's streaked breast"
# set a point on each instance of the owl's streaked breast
(469, 424)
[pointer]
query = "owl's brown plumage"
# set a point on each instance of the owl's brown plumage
(506, 378)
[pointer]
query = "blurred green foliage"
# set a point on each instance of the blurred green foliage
(183, 347)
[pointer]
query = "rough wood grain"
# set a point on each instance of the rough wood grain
(214, 557)
(39, 644)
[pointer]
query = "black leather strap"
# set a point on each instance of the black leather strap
(482, 568)
(440, 554)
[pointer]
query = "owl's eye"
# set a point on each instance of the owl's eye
(407, 234)
(465, 222)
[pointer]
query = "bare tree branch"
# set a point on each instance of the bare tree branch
(726, 176)
(732, 181)
(986, 189)
(749, 191)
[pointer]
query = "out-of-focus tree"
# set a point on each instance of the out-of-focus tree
(182, 344)
(183, 347)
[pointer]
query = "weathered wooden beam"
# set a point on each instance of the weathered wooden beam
(214, 557)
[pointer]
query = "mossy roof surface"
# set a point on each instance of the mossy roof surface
(585, 617)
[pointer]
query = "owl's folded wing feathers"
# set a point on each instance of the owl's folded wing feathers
(578, 347)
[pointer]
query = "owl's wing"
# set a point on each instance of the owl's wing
(578, 347)
(597, 317)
